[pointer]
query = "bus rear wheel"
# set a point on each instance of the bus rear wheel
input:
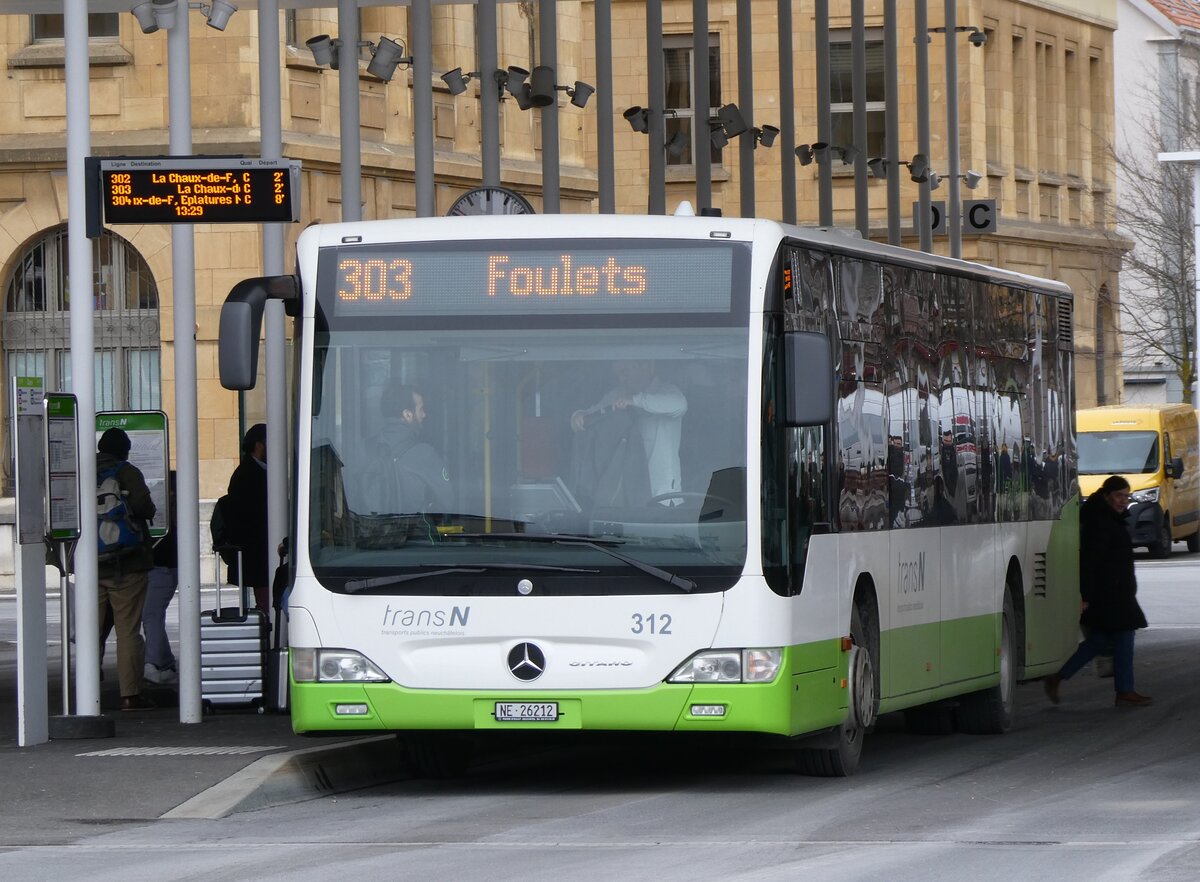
(990, 712)
(841, 759)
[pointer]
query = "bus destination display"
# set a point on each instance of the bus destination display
(240, 190)
(683, 277)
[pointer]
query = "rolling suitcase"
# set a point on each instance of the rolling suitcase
(233, 646)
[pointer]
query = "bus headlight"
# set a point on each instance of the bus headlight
(1149, 495)
(333, 666)
(729, 666)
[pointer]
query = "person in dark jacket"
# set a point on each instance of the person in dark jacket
(164, 579)
(248, 516)
(122, 580)
(1111, 613)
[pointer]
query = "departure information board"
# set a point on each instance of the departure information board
(198, 190)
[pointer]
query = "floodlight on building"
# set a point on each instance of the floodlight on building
(456, 81)
(918, 168)
(386, 55)
(971, 179)
(541, 86)
(732, 121)
(217, 14)
(579, 93)
(638, 119)
(144, 13)
(322, 48)
(764, 135)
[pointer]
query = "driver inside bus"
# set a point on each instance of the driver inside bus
(658, 408)
(409, 469)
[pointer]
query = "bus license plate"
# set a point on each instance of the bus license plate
(524, 712)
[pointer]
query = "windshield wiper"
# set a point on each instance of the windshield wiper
(357, 586)
(595, 543)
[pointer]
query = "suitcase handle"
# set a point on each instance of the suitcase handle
(241, 606)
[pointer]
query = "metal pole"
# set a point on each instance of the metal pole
(701, 105)
(892, 121)
(824, 118)
(656, 94)
(605, 168)
(924, 214)
(489, 94)
(64, 630)
(187, 472)
(421, 21)
(787, 114)
(858, 73)
(278, 443)
(79, 251)
(953, 197)
(746, 143)
(348, 111)
(548, 36)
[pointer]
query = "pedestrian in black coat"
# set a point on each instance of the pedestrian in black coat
(1108, 588)
(248, 516)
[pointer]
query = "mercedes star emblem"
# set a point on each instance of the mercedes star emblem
(526, 661)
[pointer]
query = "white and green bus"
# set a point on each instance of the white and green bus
(667, 474)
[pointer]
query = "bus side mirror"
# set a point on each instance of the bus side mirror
(241, 323)
(808, 361)
(1174, 468)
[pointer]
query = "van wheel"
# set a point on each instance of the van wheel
(1162, 548)
(1193, 542)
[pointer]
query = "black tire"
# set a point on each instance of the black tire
(842, 760)
(990, 712)
(1193, 542)
(441, 756)
(1162, 548)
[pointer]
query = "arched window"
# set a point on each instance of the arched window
(36, 322)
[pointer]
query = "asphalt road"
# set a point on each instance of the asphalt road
(1077, 791)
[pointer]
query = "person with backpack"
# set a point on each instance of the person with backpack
(124, 557)
(245, 515)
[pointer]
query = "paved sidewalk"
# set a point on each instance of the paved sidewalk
(232, 760)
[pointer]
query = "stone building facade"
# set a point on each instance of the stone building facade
(1036, 116)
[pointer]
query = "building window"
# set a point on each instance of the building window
(681, 104)
(36, 323)
(50, 28)
(841, 91)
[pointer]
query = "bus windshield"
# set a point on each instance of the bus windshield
(595, 451)
(1118, 453)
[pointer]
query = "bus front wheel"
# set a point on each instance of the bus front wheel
(841, 759)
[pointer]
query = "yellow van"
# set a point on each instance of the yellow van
(1156, 447)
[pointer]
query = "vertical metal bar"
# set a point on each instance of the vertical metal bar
(892, 121)
(489, 93)
(548, 37)
(656, 89)
(187, 472)
(1196, 277)
(746, 143)
(924, 218)
(953, 196)
(278, 441)
(824, 118)
(348, 111)
(64, 632)
(787, 114)
(605, 169)
(421, 50)
(701, 108)
(858, 61)
(79, 250)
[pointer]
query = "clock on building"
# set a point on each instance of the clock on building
(490, 200)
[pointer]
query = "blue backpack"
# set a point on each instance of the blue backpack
(118, 531)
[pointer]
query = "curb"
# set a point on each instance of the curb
(299, 775)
